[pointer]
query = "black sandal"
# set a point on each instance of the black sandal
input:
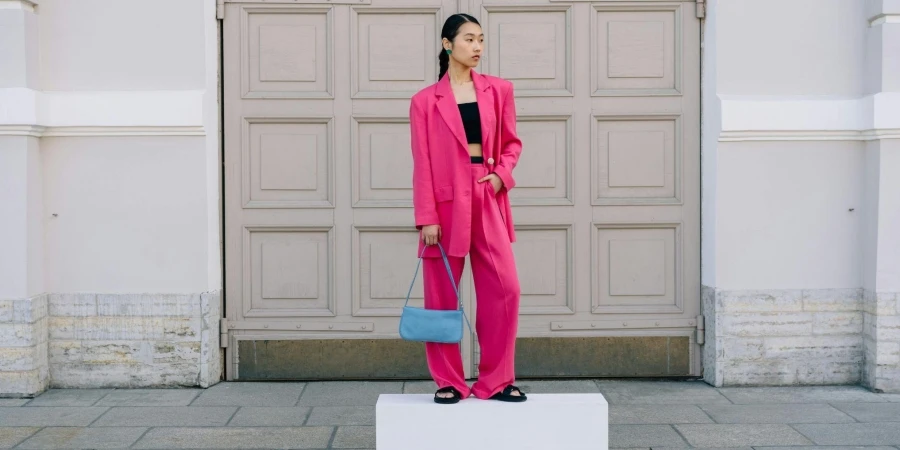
(506, 395)
(447, 400)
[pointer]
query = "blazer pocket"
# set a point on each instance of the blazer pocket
(443, 194)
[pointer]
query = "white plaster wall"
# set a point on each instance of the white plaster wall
(34, 231)
(21, 274)
(891, 64)
(778, 182)
(109, 184)
(796, 47)
(20, 63)
(214, 213)
(137, 196)
(887, 275)
(13, 179)
(711, 126)
(869, 234)
(131, 214)
(122, 45)
(784, 219)
(799, 250)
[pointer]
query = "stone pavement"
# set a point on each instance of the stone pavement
(643, 414)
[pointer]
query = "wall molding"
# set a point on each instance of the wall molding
(882, 19)
(39, 131)
(27, 112)
(823, 135)
(26, 5)
(810, 118)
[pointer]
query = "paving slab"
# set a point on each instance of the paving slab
(166, 416)
(660, 392)
(557, 386)
(803, 394)
(347, 393)
(149, 397)
(354, 437)
(10, 436)
(777, 413)
(236, 437)
(279, 416)
(711, 448)
(70, 437)
(70, 397)
(884, 433)
(50, 416)
(827, 448)
(250, 394)
(644, 436)
(738, 435)
(342, 415)
(656, 414)
(419, 387)
(871, 412)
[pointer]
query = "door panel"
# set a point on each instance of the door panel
(319, 228)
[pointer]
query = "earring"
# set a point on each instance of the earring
(448, 51)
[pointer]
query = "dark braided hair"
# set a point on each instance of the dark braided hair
(451, 28)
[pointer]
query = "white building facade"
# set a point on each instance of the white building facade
(199, 190)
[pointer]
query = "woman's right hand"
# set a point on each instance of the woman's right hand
(431, 234)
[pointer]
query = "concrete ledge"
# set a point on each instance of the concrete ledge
(545, 422)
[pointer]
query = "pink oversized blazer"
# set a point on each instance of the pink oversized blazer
(441, 167)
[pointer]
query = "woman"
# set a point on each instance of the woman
(464, 148)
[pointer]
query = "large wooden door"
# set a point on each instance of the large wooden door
(320, 247)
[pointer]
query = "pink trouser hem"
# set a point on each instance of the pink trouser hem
(497, 296)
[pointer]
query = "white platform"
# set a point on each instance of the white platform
(545, 422)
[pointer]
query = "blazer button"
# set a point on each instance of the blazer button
(490, 160)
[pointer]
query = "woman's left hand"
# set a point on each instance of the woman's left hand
(495, 180)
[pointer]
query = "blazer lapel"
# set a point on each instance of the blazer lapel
(485, 97)
(450, 111)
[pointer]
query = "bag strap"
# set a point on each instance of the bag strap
(450, 273)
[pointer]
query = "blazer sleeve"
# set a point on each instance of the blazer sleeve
(424, 206)
(510, 144)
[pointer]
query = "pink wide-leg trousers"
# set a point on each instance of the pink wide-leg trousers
(497, 296)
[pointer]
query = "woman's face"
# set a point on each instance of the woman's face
(468, 45)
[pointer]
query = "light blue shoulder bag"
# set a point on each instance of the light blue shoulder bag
(433, 325)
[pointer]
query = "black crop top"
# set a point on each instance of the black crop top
(471, 121)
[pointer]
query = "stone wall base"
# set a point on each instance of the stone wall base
(24, 370)
(88, 340)
(783, 337)
(881, 339)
